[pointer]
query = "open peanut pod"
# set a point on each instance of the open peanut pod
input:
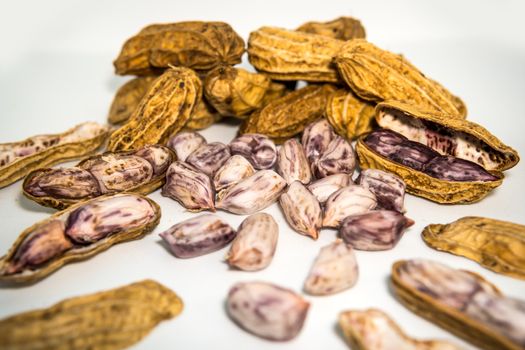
(17, 159)
(441, 158)
(77, 233)
(461, 302)
(141, 171)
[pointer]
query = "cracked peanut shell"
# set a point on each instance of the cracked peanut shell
(287, 116)
(494, 244)
(373, 329)
(290, 55)
(141, 171)
(197, 45)
(461, 302)
(17, 159)
(164, 111)
(342, 28)
(77, 233)
(441, 158)
(350, 115)
(110, 320)
(378, 75)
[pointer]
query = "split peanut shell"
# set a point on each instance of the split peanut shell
(123, 171)
(445, 140)
(17, 159)
(78, 233)
(110, 320)
(461, 302)
(494, 244)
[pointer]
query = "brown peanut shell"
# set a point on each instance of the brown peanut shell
(290, 55)
(197, 45)
(494, 244)
(49, 156)
(128, 98)
(109, 320)
(287, 116)
(378, 75)
(342, 28)
(350, 116)
(235, 91)
(78, 254)
(164, 111)
(203, 116)
(447, 317)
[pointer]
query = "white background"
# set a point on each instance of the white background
(56, 71)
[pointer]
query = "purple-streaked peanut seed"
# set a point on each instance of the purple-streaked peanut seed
(375, 230)
(292, 164)
(107, 216)
(347, 201)
(334, 270)
(40, 246)
(302, 210)
(266, 310)
(252, 194)
(324, 187)
(316, 138)
(210, 157)
(116, 173)
(388, 188)
(255, 244)
(234, 170)
(338, 158)
(68, 183)
(160, 157)
(184, 143)
(197, 236)
(258, 149)
(455, 169)
(190, 187)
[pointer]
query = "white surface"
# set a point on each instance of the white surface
(56, 71)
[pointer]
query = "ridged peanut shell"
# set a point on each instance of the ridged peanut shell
(287, 116)
(74, 143)
(62, 203)
(128, 97)
(109, 320)
(235, 91)
(378, 75)
(290, 55)
(350, 115)
(80, 252)
(197, 45)
(342, 28)
(164, 111)
(426, 186)
(448, 317)
(494, 244)
(202, 116)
